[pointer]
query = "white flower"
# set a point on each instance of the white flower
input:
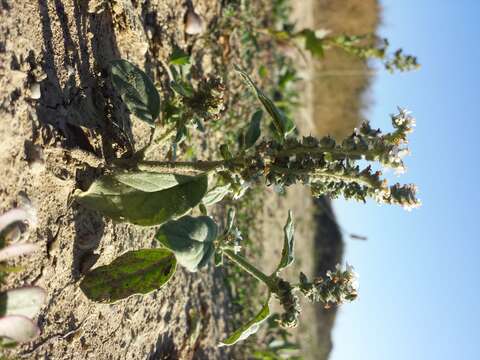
(237, 234)
(322, 33)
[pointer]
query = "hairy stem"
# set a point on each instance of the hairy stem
(323, 150)
(182, 167)
(324, 173)
(249, 268)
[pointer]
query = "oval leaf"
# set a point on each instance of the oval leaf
(249, 328)
(190, 239)
(282, 124)
(135, 272)
(216, 195)
(18, 328)
(125, 203)
(313, 43)
(287, 252)
(230, 221)
(25, 301)
(253, 132)
(150, 181)
(136, 90)
(179, 57)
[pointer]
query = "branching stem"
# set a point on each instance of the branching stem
(249, 268)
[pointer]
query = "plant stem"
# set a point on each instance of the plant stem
(249, 268)
(317, 173)
(322, 150)
(182, 167)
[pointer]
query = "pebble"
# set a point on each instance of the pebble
(35, 92)
(193, 23)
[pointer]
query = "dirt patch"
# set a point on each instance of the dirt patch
(54, 97)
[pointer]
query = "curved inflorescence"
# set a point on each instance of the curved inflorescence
(333, 169)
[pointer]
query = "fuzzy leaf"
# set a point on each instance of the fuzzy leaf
(312, 43)
(125, 203)
(182, 88)
(225, 152)
(249, 328)
(190, 239)
(18, 328)
(179, 57)
(253, 132)
(135, 272)
(25, 301)
(136, 90)
(150, 181)
(283, 125)
(230, 221)
(288, 243)
(216, 194)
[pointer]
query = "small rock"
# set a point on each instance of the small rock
(35, 157)
(35, 92)
(12, 234)
(193, 23)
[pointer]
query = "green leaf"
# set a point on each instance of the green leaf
(179, 57)
(127, 203)
(136, 90)
(230, 221)
(203, 209)
(288, 243)
(216, 194)
(135, 272)
(225, 152)
(218, 259)
(182, 88)
(182, 133)
(283, 125)
(25, 301)
(190, 239)
(249, 328)
(312, 43)
(253, 132)
(150, 181)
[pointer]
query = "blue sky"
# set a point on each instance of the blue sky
(419, 270)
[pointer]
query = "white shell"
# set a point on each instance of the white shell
(193, 23)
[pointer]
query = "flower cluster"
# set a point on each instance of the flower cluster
(401, 62)
(370, 47)
(332, 168)
(208, 101)
(290, 304)
(336, 288)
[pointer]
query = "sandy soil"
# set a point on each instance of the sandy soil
(53, 97)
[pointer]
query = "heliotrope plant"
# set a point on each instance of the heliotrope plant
(192, 242)
(149, 192)
(364, 47)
